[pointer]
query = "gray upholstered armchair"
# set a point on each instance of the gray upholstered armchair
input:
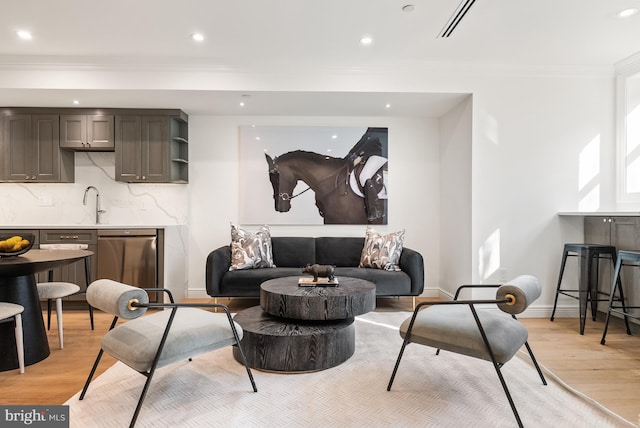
(149, 342)
(458, 326)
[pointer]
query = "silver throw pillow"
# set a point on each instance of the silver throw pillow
(382, 251)
(251, 250)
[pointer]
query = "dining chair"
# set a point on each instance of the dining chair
(13, 312)
(51, 290)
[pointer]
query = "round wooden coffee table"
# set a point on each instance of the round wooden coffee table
(299, 329)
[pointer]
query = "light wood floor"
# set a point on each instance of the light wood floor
(609, 374)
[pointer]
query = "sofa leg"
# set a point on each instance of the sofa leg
(413, 306)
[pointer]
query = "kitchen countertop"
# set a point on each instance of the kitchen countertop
(90, 226)
(601, 214)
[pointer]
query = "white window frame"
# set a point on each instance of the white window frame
(625, 70)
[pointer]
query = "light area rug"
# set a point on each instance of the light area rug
(447, 390)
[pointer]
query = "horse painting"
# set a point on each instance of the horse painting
(350, 190)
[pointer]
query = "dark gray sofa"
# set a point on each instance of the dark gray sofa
(290, 254)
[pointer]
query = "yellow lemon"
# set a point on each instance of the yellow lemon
(15, 239)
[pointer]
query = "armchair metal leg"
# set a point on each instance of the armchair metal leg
(395, 369)
(91, 373)
(143, 395)
(95, 364)
(244, 359)
(248, 369)
(535, 363)
(496, 365)
(506, 391)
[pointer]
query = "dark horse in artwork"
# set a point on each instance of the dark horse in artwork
(349, 190)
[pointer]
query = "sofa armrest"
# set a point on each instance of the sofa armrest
(412, 263)
(218, 262)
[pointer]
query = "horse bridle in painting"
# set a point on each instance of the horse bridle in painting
(285, 196)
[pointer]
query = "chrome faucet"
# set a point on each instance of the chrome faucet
(98, 210)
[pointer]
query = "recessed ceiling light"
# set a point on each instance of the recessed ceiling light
(241, 103)
(76, 102)
(24, 35)
(366, 40)
(627, 12)
(387, 105)
(198, 37)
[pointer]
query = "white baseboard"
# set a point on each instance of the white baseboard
(197, 293)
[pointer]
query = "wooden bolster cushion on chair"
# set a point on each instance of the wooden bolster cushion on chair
(522, 290)
(115, 298)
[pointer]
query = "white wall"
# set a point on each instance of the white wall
(529, 135)
(455, 198)
(414, 191)
(529, 129)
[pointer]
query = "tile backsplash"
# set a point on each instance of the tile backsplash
(126, 204)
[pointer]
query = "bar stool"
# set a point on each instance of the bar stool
(587, 283)
(633, 259)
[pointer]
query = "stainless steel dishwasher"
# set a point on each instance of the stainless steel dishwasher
(129, 256)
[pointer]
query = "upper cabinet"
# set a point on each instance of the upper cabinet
(87, 132)
(31, 150)
(38, 144)
(152, 148)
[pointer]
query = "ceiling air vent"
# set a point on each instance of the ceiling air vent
(457, 16)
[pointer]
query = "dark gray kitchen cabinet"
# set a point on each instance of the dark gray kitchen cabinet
(620, 231)
(623, 232)
(83, 132)
(31, 152)
(151, 148)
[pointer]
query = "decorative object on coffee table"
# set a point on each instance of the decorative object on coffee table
(298, 329)
(321, 282)
(320, 271)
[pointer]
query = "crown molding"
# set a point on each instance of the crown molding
(208, 65)
(628, 65)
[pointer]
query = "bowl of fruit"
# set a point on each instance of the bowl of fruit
(14, 245)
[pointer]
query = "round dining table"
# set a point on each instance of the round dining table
(18, 285)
